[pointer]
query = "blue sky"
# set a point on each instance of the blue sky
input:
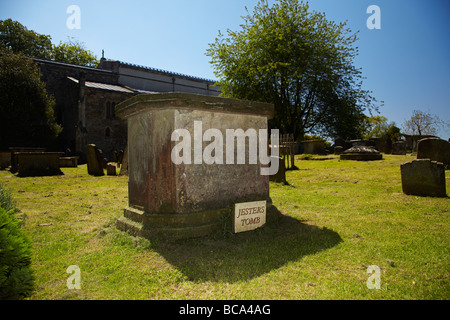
(406, 62)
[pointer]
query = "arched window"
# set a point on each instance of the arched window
(113, 110)
(107, 133)
(108, 110)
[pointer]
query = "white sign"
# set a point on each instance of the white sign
(249, 216)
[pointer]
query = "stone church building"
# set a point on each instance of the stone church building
(86, 99)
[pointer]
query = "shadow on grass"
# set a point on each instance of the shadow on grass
(243, 256)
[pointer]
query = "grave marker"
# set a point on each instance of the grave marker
(249, 216)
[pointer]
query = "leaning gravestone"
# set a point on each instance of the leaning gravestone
(434, 149)
(94, 160)
(194, 197)
(423, 178)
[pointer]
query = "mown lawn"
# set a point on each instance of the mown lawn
(339, 218)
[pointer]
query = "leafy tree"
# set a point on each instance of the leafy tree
(27, 115)
(16, 38)
(74, 52)
(423, 123)
(300, 62)
(378, 126)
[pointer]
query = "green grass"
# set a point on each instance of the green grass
(339, 217)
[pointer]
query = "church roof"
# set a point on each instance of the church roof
(104, 86)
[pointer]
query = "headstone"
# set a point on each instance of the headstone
(123, 162)
(94, 163)
(423, 178)
(339, 142)
(110, 169)
(68, 162)
(399, 148)
(313, 146)
(361, 153)
(434, 149)
(280, 176)
(338, 150)
(5, 160)
(180, 199)
(384, 144)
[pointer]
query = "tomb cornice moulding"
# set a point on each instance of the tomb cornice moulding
(179, 100)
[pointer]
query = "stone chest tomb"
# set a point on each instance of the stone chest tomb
(180, 200)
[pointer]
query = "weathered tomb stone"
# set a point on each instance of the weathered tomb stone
(434, 149)
(68, 162)
(280, 176)
(184, 200)
(314, 146)
(338, 150)
(361, 153)
(339, 142)
(124, 162)
(38, 163)
(120, 157)
(399, 148)
(423, 177)
(110, 169)
(15, 150)
(384, 144)
(5, 160)
(94, 162)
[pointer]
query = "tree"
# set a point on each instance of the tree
(74, 52)
(16, 38)
(300, 62)
(378, 126)
(423, 123)
(26, 110)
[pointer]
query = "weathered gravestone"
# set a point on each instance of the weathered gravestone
(314, 146)
(110, 169)
(68, 162)
(124, 162)
(280, 176)
(383, 144)
(5, 160)
(175, 193)
(338, 150)
(15, 150)
(434, 149)
(423, 178)
(94, 160)
(399, 148)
